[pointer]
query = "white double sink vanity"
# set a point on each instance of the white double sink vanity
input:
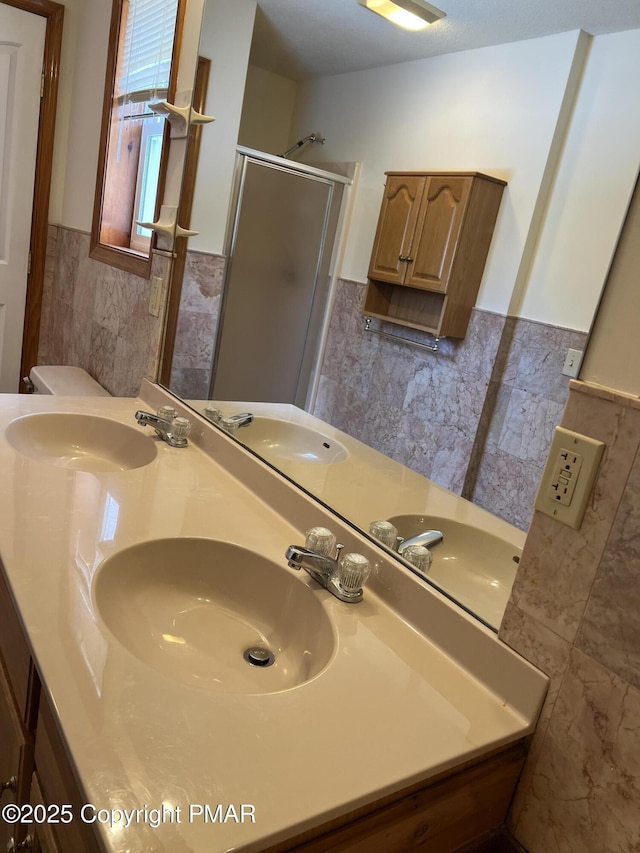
(136, 578)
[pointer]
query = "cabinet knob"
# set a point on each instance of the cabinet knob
(13, 846)
(9, 785)
(406, 258)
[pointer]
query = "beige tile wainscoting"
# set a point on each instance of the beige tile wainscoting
(477, 417)
(575, 613)
(97, 317)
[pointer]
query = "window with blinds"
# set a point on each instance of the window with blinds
(144, 68)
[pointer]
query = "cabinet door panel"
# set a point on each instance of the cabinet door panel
(58, 784)
(44, 840)
(13, 647)
(12, 737)
(396, 225)
(12, 752)
(437, 232)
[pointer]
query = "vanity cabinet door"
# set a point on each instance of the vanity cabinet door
(437, 232)
(42, 835)
(396, 228)
(14, 650)
(58, 786)
(16, 756)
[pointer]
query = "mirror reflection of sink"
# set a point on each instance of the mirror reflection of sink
(285, 440)
(475, 567)
(192, 608)
(80, 442)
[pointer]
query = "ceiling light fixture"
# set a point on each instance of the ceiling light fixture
(410, 14)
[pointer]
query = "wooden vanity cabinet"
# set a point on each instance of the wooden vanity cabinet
(32, 756)
(19, 690)
(461, 810)
(57, 784)
(430, 249)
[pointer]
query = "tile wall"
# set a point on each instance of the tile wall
(575, 613)
(197, 324)
(97, 317)
(476, 417)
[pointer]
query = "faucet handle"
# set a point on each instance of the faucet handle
(180, 428)
(212, 414)
(384, 532)
(419, 556)
(353, 572)
(321, 540)
(166, 412)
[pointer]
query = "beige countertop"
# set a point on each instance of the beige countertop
(414, 686)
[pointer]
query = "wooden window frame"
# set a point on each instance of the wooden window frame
(129, 260)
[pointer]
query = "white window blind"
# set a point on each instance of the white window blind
(145, 65)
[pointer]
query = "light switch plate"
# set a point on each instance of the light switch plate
(572, 363)
(569, 475)
(155, 296)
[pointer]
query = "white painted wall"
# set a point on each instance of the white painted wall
(64, 107)
(496, 110)
(491, 110)
(613, 353)
(86, 89)
(593, 186)
(267, 111)
(226, 40)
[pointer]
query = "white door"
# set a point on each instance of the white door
(22, 37)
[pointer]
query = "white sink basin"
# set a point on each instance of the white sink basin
(473, 566)
(284, 440)
(80, 442)
(191, 609)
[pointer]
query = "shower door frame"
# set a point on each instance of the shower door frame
(310, 362)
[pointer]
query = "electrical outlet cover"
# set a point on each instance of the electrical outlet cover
(552, 501)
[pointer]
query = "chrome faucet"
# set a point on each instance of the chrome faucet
(229, 424)
(343, 576)
(174, 431)
(428, 538)
(243, 419)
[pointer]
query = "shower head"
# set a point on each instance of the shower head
(313, 137)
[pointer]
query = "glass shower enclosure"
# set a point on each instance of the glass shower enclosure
(281, 238)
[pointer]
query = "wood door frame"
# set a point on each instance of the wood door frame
(54, 16)
(185, 207)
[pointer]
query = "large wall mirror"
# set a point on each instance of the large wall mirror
(541, 114)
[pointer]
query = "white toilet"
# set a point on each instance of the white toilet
(59, 379)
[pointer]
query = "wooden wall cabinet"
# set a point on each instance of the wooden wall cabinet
(430, 249)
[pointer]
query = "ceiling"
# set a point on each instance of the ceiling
(313, 38)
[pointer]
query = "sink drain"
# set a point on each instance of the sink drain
(258, 656)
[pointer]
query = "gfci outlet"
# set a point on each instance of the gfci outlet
(569, 476)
